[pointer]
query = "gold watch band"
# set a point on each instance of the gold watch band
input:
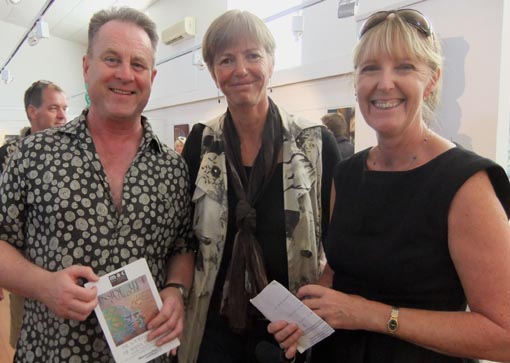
(392, 325)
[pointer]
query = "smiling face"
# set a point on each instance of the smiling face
(391, 91)
(398, 75)
(242, 72)
(119, 71)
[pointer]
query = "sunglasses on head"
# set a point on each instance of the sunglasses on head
(410, 16)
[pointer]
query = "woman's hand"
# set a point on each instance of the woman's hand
(341, 311)
(287, 335)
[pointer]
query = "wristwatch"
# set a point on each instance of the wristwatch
(392, 324)
(180, 287)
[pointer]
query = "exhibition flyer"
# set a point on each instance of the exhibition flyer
(128, 300)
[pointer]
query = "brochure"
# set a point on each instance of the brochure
(278, 303)
(128, 300)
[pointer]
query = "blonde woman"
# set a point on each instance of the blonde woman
(419, 228)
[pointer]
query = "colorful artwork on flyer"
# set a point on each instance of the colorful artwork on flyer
(127, 309)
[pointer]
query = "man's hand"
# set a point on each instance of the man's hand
(169, 323)
(62, 294)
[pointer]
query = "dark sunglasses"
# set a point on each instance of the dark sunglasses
(410, 16)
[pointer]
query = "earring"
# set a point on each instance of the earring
(219, 100)
(270, 86)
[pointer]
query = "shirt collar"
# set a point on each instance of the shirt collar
(78, 124)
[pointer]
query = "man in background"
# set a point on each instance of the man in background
(336, 123)
(46, 106)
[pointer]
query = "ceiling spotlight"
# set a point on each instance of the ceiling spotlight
(197, 60)
(347, 8)
(6, 76)
(40, 31)
(32, 39)
(297, 26)
(13, 2)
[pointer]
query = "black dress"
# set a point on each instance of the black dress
(388, 242)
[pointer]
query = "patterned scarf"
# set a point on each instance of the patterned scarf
(246, 275)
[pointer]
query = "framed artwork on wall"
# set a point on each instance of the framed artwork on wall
(181, 130)
(180, 134)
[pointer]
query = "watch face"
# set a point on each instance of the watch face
(392, 325)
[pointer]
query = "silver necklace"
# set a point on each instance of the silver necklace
(414, 157)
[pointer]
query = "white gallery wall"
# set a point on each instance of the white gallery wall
(185, 94)
(475, 109)
(476, 100)
(52, 59)
(475, 104)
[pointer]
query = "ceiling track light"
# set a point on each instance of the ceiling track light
(197, 60)
(297, 26)
(40, 31)
(6, 76)
(40, 28)
(32, 39)
(347, 8)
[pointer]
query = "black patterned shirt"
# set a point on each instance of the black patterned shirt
(55, 207)
(10, 147)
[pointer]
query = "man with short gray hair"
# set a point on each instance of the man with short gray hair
(90, 197)
(46, 107)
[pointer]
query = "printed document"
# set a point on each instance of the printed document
(278, 303)
(128, 300)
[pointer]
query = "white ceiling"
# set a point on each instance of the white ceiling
(67, 19)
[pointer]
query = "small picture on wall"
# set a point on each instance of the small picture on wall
(181, 130)
(180, 134)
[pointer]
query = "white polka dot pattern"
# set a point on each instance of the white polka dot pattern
(55, 205)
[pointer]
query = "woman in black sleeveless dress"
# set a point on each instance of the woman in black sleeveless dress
(419, 229)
